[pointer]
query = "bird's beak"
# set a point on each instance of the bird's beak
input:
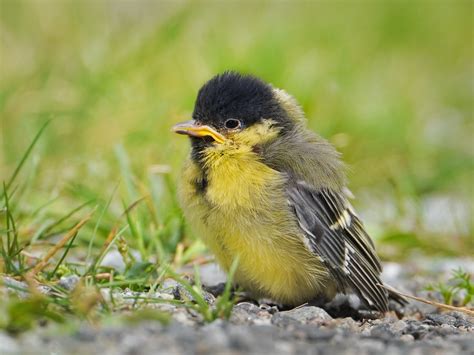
(192, 128)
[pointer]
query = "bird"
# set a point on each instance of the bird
(259, 186)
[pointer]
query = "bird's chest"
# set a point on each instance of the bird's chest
(237, 205)
(240, 210)
(243, 196)
(241, 184)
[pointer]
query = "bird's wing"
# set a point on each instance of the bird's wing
(334, 232)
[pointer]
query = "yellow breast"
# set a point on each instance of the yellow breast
(243, 212)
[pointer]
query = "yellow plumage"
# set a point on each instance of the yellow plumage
(244, 213)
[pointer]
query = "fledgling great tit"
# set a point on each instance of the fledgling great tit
(260, 186)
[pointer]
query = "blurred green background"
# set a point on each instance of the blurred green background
(388, 82)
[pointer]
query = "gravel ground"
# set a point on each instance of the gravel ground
(261, 328)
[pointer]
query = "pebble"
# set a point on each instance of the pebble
(398, 327)
(407, 338)
(179, 292)
(248, 313)
(211, 275)
(68, 282)
(305, 315)
(14, 286)
(113, 259)
(441, 319)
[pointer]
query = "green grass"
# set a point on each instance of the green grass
(457, 291)
(89, 91)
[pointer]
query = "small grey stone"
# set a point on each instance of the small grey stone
(306, 315)
(248, 313)
(183, 317)
(347, 324)
(439, 319)
(170, 287)
(382, 331)
(211, 275)
(247, 307)
(169, 284)
(14, 286)
(407, 338)
(68, 282)
(398, 327)
(282, 320)
(417, 329)
(113, 259)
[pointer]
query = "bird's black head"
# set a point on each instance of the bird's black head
(231, 97)
(235, 110)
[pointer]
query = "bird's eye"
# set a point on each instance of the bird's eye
(232, 123)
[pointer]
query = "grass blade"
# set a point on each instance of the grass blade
(96, 227)
(25, 156)
(12, 249)
(68, 247)
(44, 261)
(62, 219)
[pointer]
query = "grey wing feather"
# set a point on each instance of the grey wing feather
(335, 233)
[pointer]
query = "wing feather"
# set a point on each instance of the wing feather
(335, 234)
